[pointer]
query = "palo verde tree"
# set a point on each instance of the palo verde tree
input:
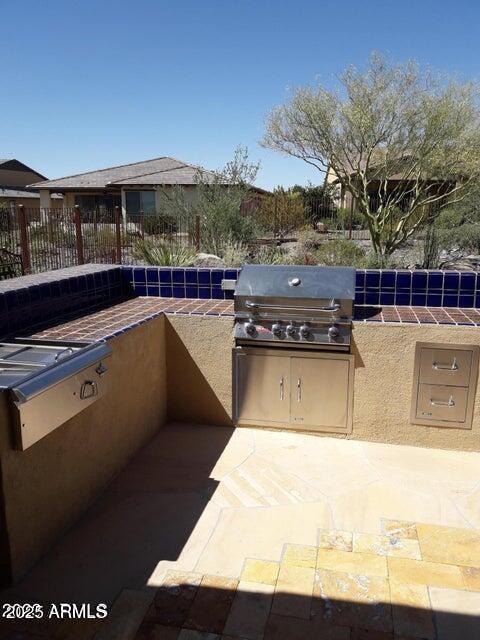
(402, 142)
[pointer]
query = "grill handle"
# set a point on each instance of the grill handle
(335, 306)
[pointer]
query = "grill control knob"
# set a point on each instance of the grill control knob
(333, 332)
(277, 329)
(290, 330)
(249, 327)
(304, 330)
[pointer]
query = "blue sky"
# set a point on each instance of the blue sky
(89, 84)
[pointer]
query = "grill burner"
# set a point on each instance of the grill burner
(295, 306)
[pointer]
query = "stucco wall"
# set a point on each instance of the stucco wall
(200, 371)
(199, 355)
(48, 486)
(384, 363)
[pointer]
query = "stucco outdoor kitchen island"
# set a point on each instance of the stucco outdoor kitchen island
(171, 362)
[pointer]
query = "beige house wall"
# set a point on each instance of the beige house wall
(47, 487)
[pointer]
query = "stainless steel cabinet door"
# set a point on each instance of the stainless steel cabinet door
(320, 397)
(263, 388)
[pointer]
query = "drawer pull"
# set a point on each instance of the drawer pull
(441, 367)
(450, 403)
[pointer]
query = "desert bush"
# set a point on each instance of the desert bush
(266, 254)
(234, 254)
(51, 234)
(281, 212)
(340, 252)
(162, 254)
(102, 236)
(309, 239)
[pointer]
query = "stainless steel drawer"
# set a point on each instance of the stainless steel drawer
(48, 399)
(442, 402)
(445, 366)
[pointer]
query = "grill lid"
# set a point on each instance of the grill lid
(291, 281)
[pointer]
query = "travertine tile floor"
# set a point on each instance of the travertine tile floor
(203, 500)
(412, 581)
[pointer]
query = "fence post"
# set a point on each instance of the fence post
(78, 235)
(118, 236)
(351, 219)
(25, 249)
(197, 233)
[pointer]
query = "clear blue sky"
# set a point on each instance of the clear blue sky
(88, 84)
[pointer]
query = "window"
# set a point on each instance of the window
(102, 202)
(137, 201)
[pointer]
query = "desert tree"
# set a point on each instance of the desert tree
(219, 201)
(403, 142)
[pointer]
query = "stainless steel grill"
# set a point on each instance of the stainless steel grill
(295, 306)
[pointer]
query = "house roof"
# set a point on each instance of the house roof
(163, 170)
(10, 164)
(9, 192)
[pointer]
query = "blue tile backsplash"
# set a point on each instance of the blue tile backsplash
(418, 288)
(188, 282)
(373, 286)
(49, 297)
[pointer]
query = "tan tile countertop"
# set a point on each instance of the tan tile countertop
(126, 315)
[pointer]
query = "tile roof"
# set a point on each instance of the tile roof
(163, 170)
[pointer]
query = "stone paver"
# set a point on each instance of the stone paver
(412, 616)
(449, 545)
(399, 529)
(260, 571)
(357, 563)
(341, 540)
(211, 606)
(456, 613)
(250, 610)
(419, 572)
(300, 555)
(352, 600)
(387, 545)
(293, 591)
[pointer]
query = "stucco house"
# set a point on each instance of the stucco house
(134, 187)
(399, 180)
(15, 181)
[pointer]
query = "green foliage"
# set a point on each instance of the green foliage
(340, 252)
(387, 121)
(431, 249)
(318, 201)
(51, 234)
(267, 254)
(101, 237)
(281, 212)
(162, 254)
(234, 254)
(218, 201)
(159, 224)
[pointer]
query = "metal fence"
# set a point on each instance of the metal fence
(40, 239)
(43, 239)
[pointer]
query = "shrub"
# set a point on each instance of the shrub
(340, 252)
(267, 254)
(234, 254)
(52, 234)
(162, 254)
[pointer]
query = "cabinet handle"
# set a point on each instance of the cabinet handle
(441, 367)
(299, 390)
(450, 403)
(281, 388)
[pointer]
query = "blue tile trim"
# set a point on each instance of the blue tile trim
(418, 288)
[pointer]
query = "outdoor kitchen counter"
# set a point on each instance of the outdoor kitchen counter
(126, 315)
(198, 336)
